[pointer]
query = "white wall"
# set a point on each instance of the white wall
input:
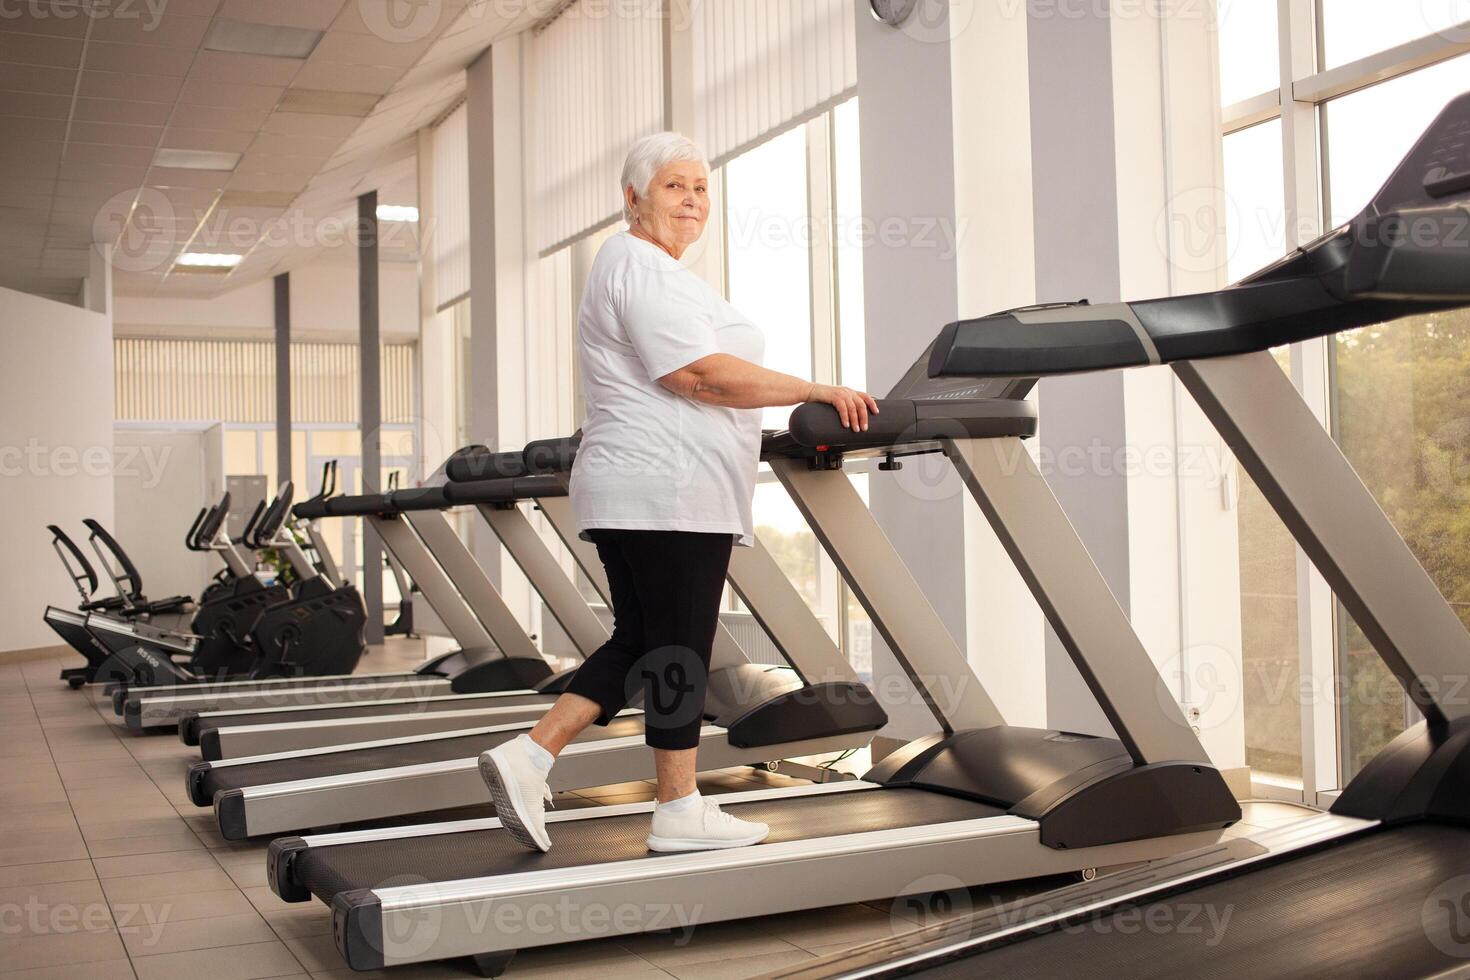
(162, 481)
(323, 305)
(55, 450)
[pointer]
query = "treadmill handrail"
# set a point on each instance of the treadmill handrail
(1407, 252)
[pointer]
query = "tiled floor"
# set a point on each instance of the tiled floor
(108, 871)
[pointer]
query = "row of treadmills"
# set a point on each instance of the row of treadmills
(1347, 892)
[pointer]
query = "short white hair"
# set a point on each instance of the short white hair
(650, 155)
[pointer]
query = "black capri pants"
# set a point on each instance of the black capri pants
(665, 588)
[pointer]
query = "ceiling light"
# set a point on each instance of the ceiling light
(195, 159)
(327, 103)
(209, 260)
(397, 212)
(243, 37)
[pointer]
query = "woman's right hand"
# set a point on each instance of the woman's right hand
(852, 406)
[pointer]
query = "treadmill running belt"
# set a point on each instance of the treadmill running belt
(336, 711)
(474, 854)
(215, 778)
(1369, 907)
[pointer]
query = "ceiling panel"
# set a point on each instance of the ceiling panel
(243, 69)
(29, 78)
(216, 118)
(346, 78)
(102, 56)
(115, 110)
(125, 156)
(180, 138)
(25, 18)
(345, 48)
(53, 52)
(83, 114)
(20, 127)
(167, 29)
(39, 106)
(310, 124)
(200, 91)
(115, 133)
(129, 88)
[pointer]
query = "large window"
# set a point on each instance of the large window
(1396, 395)
(1250, 62)
(1353, 29)
(793, 264)
(1402, 400)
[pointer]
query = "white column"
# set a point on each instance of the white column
(97, 286)
(909, 293)
(498, 273)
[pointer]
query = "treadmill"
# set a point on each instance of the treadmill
(978, 801)
(754, 714)
(495, 654)
(478, 616)
(1377, 885)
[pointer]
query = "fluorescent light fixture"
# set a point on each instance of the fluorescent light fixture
(209, 260)
(196, 159)
(397, 212)
(243, 37)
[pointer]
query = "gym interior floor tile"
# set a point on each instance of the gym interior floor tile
(117, 875)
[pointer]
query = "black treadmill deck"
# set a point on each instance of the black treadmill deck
(326, 871)
(1392, 903)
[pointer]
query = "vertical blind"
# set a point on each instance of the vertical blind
(451, 217)
(762, 65)
(596, 78)
(179, 380)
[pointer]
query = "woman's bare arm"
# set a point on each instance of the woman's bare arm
(732, 382)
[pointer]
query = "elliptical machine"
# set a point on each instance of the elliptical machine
(232, 605)
(116, 633)
(319, 629)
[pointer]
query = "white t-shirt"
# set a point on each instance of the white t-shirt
(651, 459)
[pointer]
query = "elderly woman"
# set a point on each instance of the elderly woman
(662, 484)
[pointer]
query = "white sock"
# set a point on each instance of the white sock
(681, 804)
(540, 758)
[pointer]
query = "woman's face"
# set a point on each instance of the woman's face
(674, 211)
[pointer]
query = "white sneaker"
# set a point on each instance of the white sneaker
(702, 828)
(518, 787)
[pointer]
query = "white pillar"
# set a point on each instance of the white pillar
(97, 286)
(909, 293)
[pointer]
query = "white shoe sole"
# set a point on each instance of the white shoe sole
(507, 807)
(673, 844)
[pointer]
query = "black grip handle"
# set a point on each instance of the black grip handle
(189, 540)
